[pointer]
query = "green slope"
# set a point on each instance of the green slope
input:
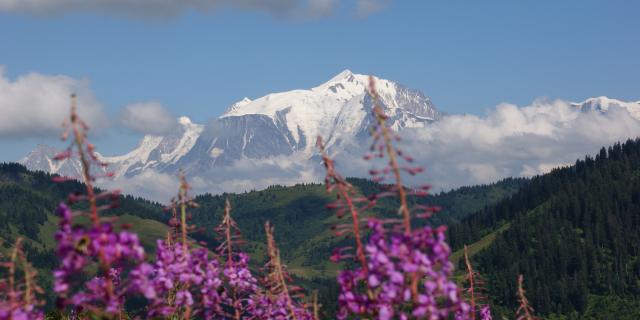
(303, 223)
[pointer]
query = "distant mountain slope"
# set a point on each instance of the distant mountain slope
(574, 233)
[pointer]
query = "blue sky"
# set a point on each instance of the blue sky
(468, 56)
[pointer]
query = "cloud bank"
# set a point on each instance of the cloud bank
(172, 8)
(148, 118)
(35, 105)
(458, 150)
(509, 141)
(243, 175)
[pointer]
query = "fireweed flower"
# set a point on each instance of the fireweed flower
(239, 282)
(86, 247)
(181, 283)
(386, 290)
(405, 273)
(277, 307)
(80, 247)
(185, 281)
(485, 313)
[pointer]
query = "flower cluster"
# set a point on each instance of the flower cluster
(409, 277)
(182, 282)
(81, 247)
(240, 283)
(265, 307)
(239, 276)
(20, 312)
(485, 313)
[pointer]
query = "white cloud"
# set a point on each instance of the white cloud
(35, 105)
(515, 141)
(243, 175)
(148, 118)
(149, 184)
(170, 8)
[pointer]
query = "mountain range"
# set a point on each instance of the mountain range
(279, 124)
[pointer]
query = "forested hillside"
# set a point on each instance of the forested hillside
(575, 235)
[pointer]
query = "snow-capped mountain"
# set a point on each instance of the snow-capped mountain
(604, 104)
(337, 109)
(277, 124)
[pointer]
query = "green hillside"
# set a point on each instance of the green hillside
(303, 223)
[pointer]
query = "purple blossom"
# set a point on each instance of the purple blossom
(394, 258)
(21, 313)
(265, 307)
(485, 313)
(239, 276)
(78, 248)
(180, 280)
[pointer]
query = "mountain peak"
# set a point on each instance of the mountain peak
(236, 106)
(345, 84)
(603, 104)
(601, 100)
(345, 74)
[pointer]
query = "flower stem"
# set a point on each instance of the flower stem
(381, 118)
(79, 135)
(471, 277)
